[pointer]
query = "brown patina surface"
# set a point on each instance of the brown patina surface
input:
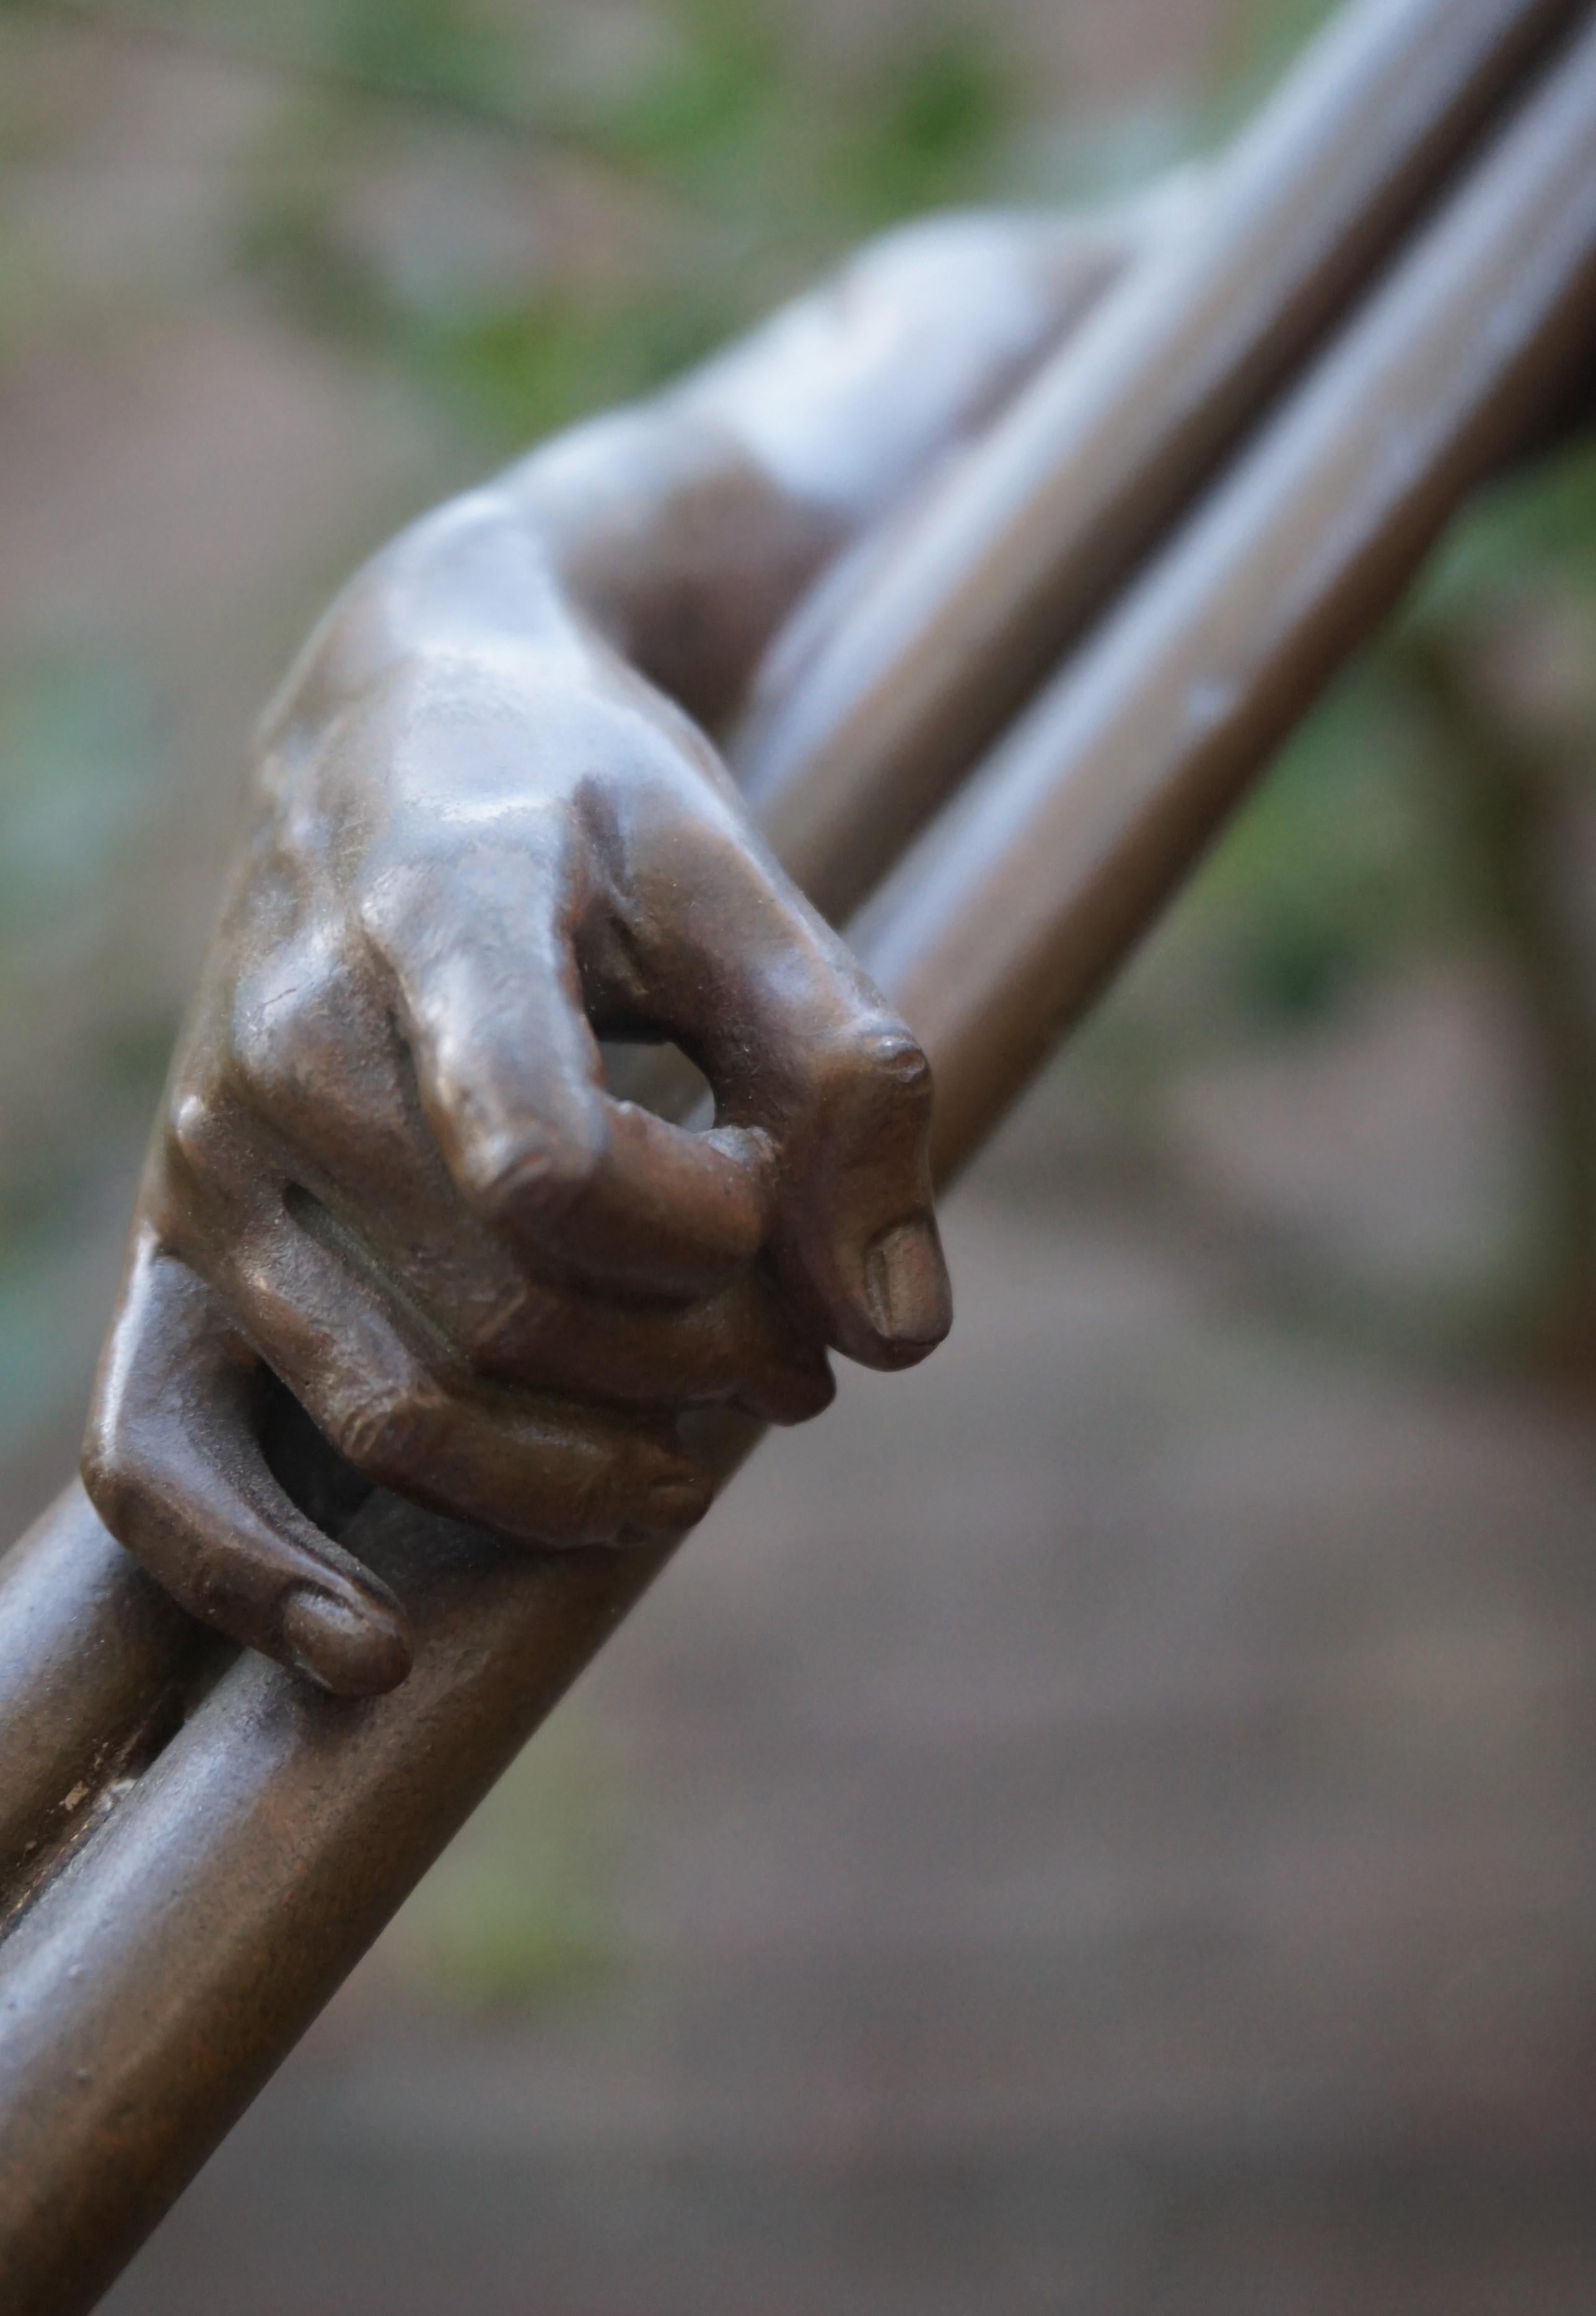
(206, 1920)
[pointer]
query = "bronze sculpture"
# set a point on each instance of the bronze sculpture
(217, 1895)
(487, 829)
(485, 834)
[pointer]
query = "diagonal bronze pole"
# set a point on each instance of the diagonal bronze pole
(161, 1977)
(959, 616)
(939, 643)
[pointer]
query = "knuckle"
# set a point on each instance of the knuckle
(109, 1477)
(875, 1061)
(196, 1130)
(891, 1054)
(584, 1515)
(289, 1031)
(208, 1154)
(119, 1469)
(509, 1329)
(394, 1437)
(385, 904)
(428, 887)
(536, 1170)
(266, 1061)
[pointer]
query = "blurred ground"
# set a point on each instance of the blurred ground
(1102, 1825)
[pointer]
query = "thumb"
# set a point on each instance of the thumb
(174, 1471)
(796, 1041)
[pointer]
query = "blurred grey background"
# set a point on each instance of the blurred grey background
(1103, 1824)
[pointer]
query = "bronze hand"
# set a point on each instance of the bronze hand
(486, 831)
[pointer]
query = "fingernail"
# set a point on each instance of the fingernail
(352, 1652)
(680, 1504)
(905, 1285)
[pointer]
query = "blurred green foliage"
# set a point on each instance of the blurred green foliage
(516, 1914)
(76, 774)
(740, 165)
(1354, 856)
